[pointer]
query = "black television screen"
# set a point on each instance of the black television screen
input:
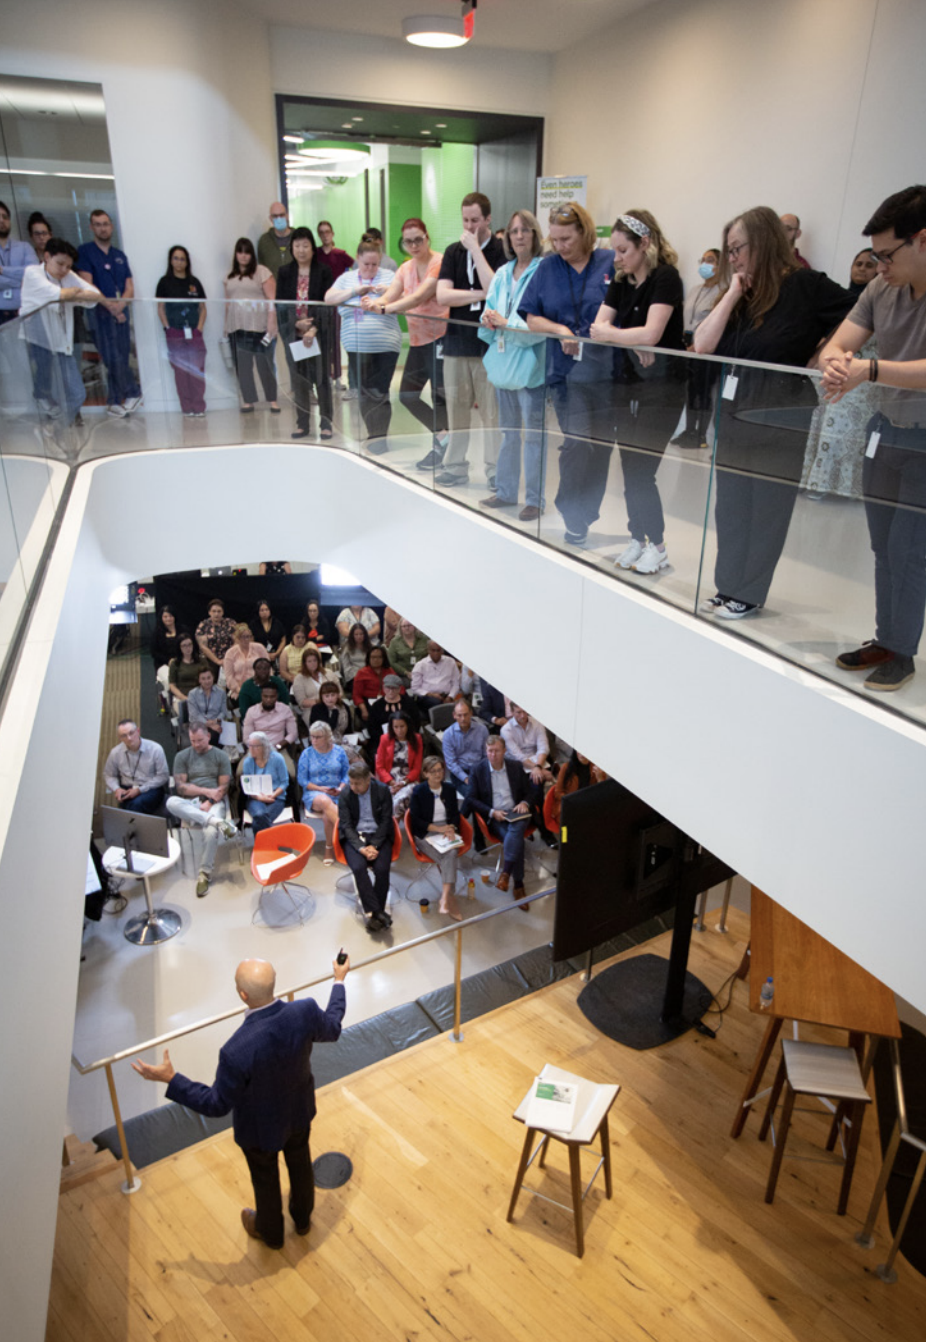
(620, 864)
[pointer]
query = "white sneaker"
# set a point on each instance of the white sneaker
(117, 411)
(132, 404)
(651, 560)
(630, 556)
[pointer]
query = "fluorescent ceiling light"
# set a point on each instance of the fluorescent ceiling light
(95, 176)
(431, 30)
(23, 172)
(293, 139)
(331, 151)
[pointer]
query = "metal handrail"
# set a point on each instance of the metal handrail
(132, 1182)
(901, 1133)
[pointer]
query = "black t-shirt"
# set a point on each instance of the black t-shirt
(632, 302)
(180, 314)
(460, 341)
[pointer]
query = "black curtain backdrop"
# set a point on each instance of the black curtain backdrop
(286, 594)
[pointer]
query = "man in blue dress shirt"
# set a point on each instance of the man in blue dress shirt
(106, 267)
(14, 257)
(265, 1078)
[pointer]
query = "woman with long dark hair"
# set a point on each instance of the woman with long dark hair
(183, 319)
(251, 324)
(301, 288)
(771, 310)
(643, 306)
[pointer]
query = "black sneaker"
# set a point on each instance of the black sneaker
(891, 675)
(735, 610)
(432, 460)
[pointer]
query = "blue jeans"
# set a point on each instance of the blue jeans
(263, 813)
(56, 379)
(147, 803)
(512, 837)
(517, 411)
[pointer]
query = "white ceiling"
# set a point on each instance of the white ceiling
(526, 25)
(51, 100)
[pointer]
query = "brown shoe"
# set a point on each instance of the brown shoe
(518, 893)
(529, 514)
(503, 881)
(249, 1221)
(493, 501)
(865, 658)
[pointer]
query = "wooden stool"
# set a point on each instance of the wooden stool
(831, 1073)
(593, 1104)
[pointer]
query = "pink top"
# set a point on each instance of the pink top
(248, 306)
(239, 668)
(423, 333)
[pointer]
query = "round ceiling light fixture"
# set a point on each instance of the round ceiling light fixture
(343, 151)
(429, 30)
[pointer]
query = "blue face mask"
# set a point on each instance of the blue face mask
(707, 270)
(279, 222)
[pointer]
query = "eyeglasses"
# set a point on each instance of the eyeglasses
(733, 252)
(885, 258)
(564, 215)
(414, 242)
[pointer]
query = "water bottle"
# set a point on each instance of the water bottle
(470, 888)
(766, 995)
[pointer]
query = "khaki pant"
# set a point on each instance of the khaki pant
(466, 386)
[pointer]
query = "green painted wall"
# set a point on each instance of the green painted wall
(448, 174)
(343, 205)
(403, 200)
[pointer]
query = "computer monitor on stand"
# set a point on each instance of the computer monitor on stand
(145, 842)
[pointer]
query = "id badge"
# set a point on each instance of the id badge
(476, 307)
(873, 442)
(729, 387)
(187, 333)
(439, 350)
(500, 342)
(8, 294)
(579, 352)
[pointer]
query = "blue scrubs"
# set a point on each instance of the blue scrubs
(109, 271)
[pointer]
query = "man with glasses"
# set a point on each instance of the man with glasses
(273, 247)
(136, 771)
(465, 275)
(107, 268)
(893, 309)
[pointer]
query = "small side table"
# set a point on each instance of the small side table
(593, 1104)
(147, 929)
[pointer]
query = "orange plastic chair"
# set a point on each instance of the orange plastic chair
(269, 845)
(339, 851)
(466, 834)
(551, 808)
(492, 842)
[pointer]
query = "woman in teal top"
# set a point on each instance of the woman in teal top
(514, 363)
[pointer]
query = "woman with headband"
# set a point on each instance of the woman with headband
(644, 306)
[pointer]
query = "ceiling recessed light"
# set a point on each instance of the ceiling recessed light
(431, 30)
(356, 118)
(441, 125)
(293, 139)
(425, 132)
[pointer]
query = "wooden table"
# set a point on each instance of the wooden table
(814, 982)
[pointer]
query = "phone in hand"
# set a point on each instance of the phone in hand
(342, 956)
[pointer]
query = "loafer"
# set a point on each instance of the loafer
(865, 658)
(503, 881)
(249, 1221)
(493, 501)
(529, 514)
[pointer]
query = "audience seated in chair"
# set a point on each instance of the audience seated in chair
(291, 657)
(366, 831)
(407, 648)
(262, 760)
(436, 680)
(136, 771)
(526, 741)
(207, 706)
(276, 720)
(394, 700)
(239, 661)
(433, 810)
(353, 655)
(183, 671)
(322, 775)
(578, 772)
(261, 676)
(202, 775)
(215, 635)
(398, 761)
(493, 706)
(307, 685)
(368, 682)
(498, 790)
(464, 745)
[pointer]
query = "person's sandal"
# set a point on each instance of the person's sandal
(328, 859)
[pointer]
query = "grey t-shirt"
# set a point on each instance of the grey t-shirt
(899, 323)
(205, 769)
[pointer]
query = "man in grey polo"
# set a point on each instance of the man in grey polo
(136, 771)
(201, 776)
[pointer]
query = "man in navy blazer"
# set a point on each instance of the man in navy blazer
(365, 830)
(265, 1078)
(498, 788)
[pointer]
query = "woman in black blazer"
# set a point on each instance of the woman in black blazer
(304, 281)
(433, 810)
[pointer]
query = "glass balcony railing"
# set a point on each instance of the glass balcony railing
(751, 481)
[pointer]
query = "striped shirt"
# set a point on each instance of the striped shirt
(366, 332)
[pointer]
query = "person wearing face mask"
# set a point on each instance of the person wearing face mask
(302, 285)
(701, 376)
(839, 432)
(273, 247)
(371, 340)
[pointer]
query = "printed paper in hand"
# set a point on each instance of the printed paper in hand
(257, 785)
(300, 351)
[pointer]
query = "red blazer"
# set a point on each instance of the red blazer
(385, 751)
(368, 684)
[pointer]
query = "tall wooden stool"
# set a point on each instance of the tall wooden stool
(831, 1073)
(593, 1104)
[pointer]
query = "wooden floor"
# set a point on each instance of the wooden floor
(416, 1246)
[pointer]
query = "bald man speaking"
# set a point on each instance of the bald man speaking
(265, 1078)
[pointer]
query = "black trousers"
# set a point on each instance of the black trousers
(265, 1178)
(373, 894)
(372, 376)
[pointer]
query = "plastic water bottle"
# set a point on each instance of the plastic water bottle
(767, 994)
(470, 888)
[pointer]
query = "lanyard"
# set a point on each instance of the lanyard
(576, 306)
(517, 288)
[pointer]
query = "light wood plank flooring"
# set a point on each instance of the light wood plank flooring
(416, 1246)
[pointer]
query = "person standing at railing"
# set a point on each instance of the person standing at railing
(701, 375)
(107, 267)
(562, 300)
(643, 306)
(183, 321)
(265, 1080)
(303, 317)
(14, 257)
(515, 365)
(771, 310)
(893, 310)
(251, 324)
(49, 334)
(371, 340)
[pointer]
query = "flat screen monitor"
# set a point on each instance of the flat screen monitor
(135, 832)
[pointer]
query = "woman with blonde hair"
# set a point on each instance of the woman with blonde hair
(515, 364)
(771, 310)
(644, 306)
(239, 661)
(562, 300)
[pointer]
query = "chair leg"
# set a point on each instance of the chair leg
(856, 1112)
(522, 1167)
(606, 1154)
(780, 1144)
(575, 1173)
(772, 1101)
(544, 1147)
